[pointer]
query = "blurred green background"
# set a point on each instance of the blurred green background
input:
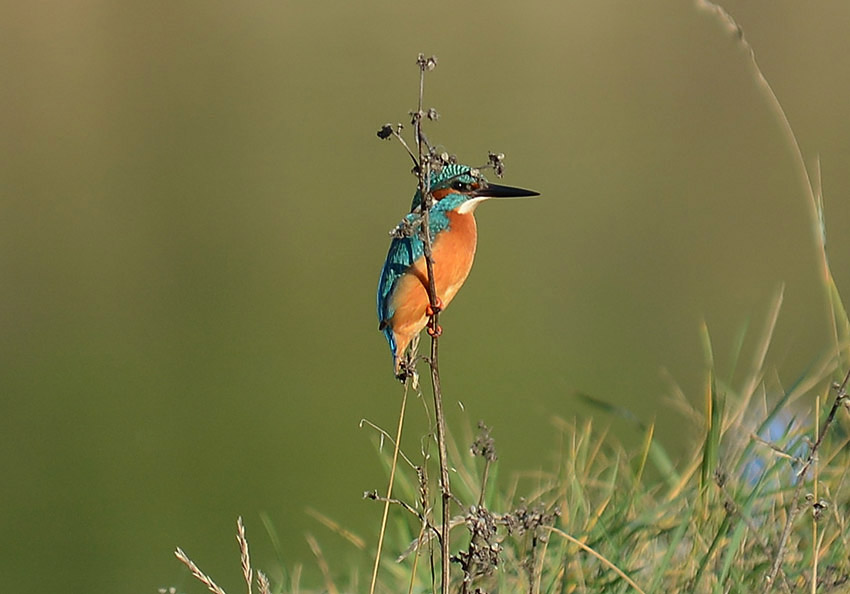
(194, 210)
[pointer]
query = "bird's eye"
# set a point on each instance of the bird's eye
(460, 186)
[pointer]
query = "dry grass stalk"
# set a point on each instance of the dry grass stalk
(196, 571)
(245, 558)
(263, 583)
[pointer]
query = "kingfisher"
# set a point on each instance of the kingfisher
(403, 303)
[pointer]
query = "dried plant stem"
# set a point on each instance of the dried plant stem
(840, 399)
(424, 173)
(412, 581)
(754, 530)
(445, 489)
(484, 475)
(815, 541)
(387, 501)
(409, 509)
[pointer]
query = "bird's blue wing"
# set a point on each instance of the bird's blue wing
(404, 251)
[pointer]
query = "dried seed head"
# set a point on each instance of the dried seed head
(428, 63)
(496, 161)
(819, 508)
(406, 228)
(484, 445)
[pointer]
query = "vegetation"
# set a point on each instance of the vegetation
(759, 504)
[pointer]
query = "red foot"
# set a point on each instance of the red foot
(437, 308)
(435, 332)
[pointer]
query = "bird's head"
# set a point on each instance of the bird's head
(462, 188)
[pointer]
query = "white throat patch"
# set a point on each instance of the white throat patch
(470, 205)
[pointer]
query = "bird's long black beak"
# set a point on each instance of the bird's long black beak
(497, 191)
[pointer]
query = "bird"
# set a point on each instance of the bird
(403, 303)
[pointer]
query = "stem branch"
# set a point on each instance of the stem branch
(433, 326)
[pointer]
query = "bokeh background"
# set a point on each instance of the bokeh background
(194, 210)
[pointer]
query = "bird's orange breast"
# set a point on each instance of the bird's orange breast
(453, 252)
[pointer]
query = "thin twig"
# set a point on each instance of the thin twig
(419, 538)
(484, 476)
(815, 540)
(775, 449)
(405, 506)
(434, 322)
(445, 489)
(396, 446)
(388, 437)
(840, 397)
(754, 529)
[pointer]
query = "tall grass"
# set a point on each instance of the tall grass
(605, 519)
